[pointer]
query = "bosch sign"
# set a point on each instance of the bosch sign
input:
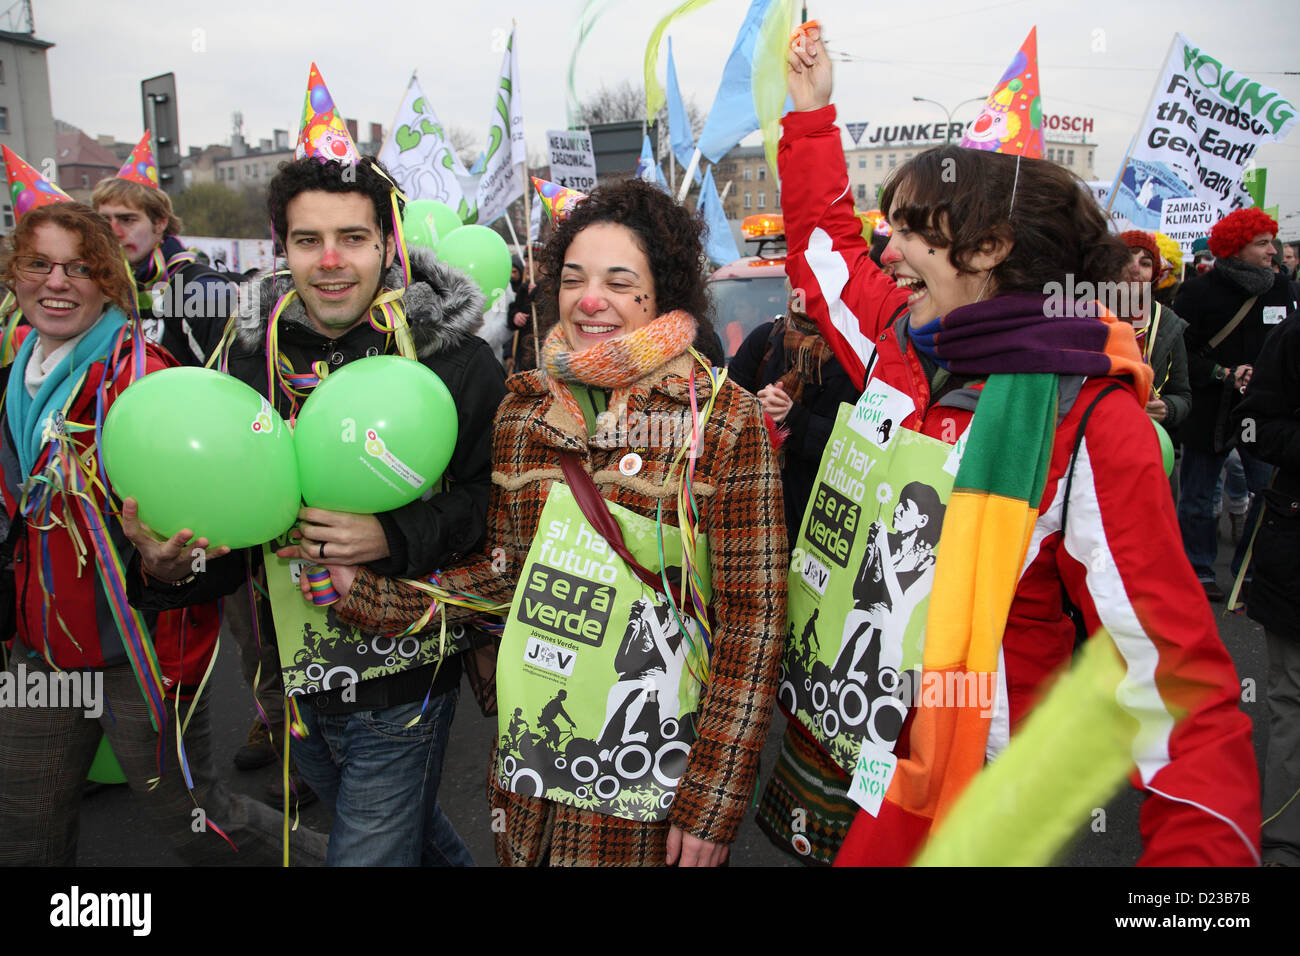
(1067, 124)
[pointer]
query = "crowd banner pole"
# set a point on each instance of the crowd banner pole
(690, 172)
(1142, 119)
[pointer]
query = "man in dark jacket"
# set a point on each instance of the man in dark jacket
(184, 305)
(1268, 423)
(374, 748)
(1230, 310)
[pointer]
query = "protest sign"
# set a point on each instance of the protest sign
(597, 683)
(573, 161)
(1198, 136)
(319, 652)
(1185, 220)
(860, 583)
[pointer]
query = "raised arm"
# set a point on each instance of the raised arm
(844, 292)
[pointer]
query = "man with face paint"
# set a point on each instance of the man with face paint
(374, 749)
(183, 303)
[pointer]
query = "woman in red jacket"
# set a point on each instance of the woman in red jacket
(72, 672)
(971, 324)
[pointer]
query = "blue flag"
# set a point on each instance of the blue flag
(719, 245)
(645, 165)
(647, 169)
(733, 116)
(680, 136)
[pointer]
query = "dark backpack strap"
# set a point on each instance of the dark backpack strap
(1072, 610)
(597, 512)
(1078, 440)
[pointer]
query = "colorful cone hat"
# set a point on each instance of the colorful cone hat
(558, 200)
(141, 167)
(28, 188)
(323, 134)
(1012, 118)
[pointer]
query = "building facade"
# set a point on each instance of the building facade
(26, 118)
(83, 163)
(751, 189)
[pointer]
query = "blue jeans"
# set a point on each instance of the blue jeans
(1233, 481)
(1198, 478)
(379, 778)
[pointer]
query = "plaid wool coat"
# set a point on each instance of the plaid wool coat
(738, 491)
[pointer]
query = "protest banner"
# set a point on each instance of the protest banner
(1100, 190)
(318, 652)
(502, 179)
(1198, 137)
(419, 156)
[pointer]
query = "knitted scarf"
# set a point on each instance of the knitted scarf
(986, 531)
(617, 364)
(805, 354)
(1253, 280)
(29, 417)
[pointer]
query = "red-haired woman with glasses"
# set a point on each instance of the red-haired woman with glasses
(71, 626)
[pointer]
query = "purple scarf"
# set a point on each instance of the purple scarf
(1013, 333)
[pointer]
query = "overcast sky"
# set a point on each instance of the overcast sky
(1097, 59)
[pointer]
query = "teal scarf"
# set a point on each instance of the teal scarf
(27, 415)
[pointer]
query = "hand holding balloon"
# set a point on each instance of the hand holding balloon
(173, 442)
(336, 538)
(166, 560)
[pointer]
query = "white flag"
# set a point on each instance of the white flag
(417, 153)
(1199, 138)
(503, 175)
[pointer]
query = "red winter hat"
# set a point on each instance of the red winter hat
(1137, 239)
(1234, 231)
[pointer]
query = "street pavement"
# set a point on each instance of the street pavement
(115, 832)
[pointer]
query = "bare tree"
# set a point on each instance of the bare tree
(465, 143)
(626, 102)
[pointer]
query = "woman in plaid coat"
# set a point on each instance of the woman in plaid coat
(614, 388)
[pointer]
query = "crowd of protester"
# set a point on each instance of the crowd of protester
(1052, 412)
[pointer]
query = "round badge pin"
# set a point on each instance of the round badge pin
(631, 464)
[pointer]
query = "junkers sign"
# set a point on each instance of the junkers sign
(926, 134)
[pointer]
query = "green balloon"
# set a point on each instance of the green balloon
(425, 221)
(201, 450)
(418, 230)
(481, 254)
(374, 436)
(445, 220)
(1166, 447)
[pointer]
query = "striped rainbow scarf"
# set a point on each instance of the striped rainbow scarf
(986, 532)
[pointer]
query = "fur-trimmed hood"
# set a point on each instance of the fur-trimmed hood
(443, 305)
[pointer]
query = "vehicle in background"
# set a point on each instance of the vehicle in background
(750, 291)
